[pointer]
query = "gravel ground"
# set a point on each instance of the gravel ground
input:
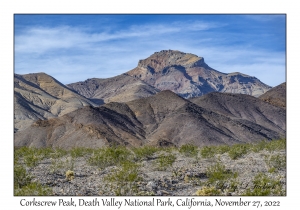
(183, 178)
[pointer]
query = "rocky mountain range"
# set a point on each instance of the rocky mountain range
(40, 96)
(189, 76)
(162, 119)
(183, 73)
(170, 98)
(121, 88)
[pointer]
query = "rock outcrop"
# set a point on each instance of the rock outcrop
(121, 88)
(276, 96)
(189, 76)
(40, 96)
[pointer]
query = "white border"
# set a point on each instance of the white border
(9, 8)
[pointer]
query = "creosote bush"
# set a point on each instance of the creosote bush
(165, 161)
(123, 179)
(145, 151)
(189, 150)
(110, 156)
(238, 150)
(264, 186)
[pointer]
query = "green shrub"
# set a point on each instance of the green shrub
(264, 186)
(218, 172)
(270, 146)
(208, 151)
(80, 152)
(58, 153)
(123, 179)
(164, 161)
(33, 189)
(110, 156)
(21, 177)
(276, 162)
(189, 150)
(238, 150)
(144, 151)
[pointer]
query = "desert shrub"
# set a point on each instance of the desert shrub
(270, 146)
(144, 151)
(208, 191)
(70, 175)
(33, 189)
(221, 178)
(208, 151)
(110, 156)
(21, 177)
(264, 186)
(32, 156)
(165, 161)
(189, 150)
(218, 172)
(80, 152)
(238, 150)
(123, 179)
(276, 162)
(58, 153)
(275, 145)
(222, 149)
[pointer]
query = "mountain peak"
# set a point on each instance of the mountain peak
(159, 60)
(189, 76)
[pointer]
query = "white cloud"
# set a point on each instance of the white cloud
(73, 54)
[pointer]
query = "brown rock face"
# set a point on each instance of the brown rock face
(40, 96)
(189, 76)
(121, 88)
(276, 96)
(161, 119)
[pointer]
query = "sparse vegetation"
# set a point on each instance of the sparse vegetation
(123, 179)
(145, 151)
(122, 169)
(110, 156)
(189, 150)
(264, 186)
(80, 152)
(164, 161)
(276, 162)
(238, 150)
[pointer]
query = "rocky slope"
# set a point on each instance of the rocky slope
(189, 76)
(241, 106)
(276, 96)
(40, 96)
(162, 119)
(121, 88)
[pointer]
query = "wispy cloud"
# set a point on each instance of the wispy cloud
(266, 17)
(73, 54)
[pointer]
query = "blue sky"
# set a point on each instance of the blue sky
(73, 48)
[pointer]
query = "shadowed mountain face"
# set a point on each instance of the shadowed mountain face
(240, 106)
(40, 96)
(121, 88)
(189, 76)
(276, 96)
(162, 119)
